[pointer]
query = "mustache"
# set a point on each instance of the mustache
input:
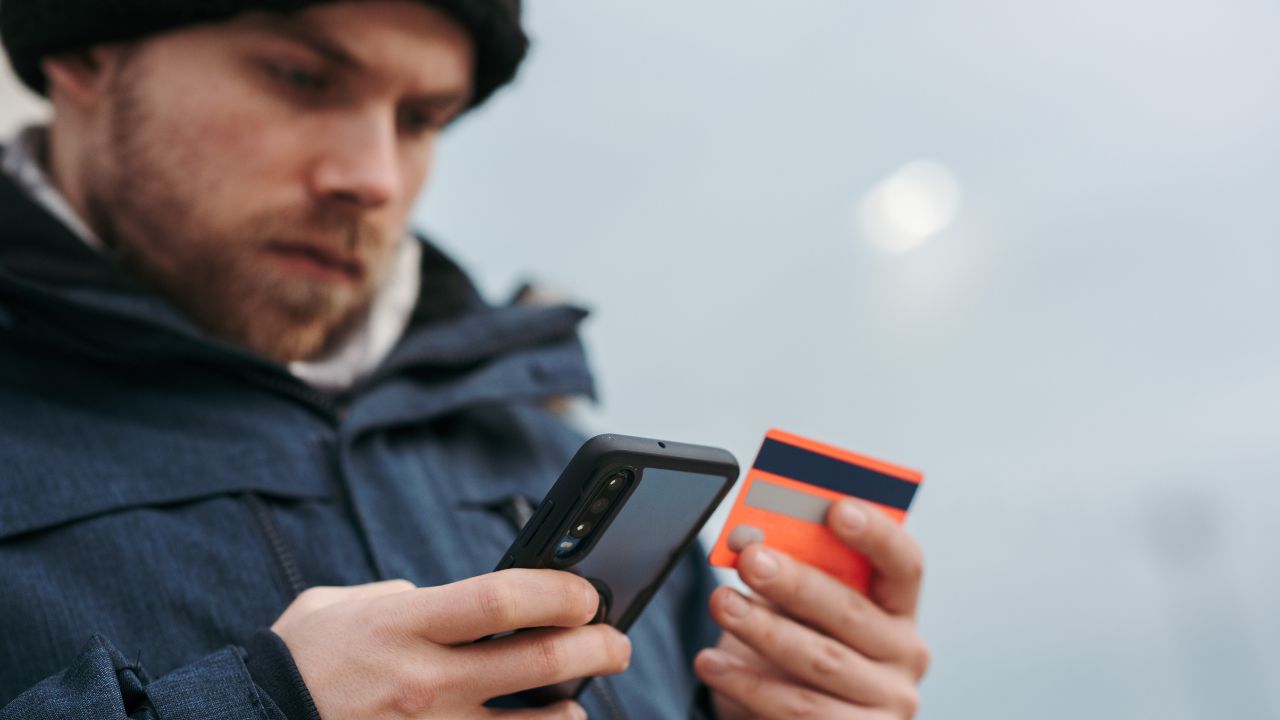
(334, 232)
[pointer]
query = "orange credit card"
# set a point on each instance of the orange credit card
(791, 486)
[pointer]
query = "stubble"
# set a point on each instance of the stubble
(144, 195)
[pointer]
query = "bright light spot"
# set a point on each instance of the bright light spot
(916, 202)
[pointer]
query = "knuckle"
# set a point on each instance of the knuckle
(771, 632)
(855, 613)
(752, 683)
(829, 657)
(414, 694)
(383, 630)
(497, 604)
(802, 703)
(550, 656)
(388, 626)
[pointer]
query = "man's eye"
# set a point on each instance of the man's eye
(418, 122)
(297, 78)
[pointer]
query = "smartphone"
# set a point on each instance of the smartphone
(621, 515)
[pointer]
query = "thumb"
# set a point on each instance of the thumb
(895, 556)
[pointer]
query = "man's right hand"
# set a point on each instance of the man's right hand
(390, 650)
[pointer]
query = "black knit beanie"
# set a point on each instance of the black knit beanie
(33, 29)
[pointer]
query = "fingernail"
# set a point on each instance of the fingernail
(718, 661)
(735, 605)
(744, 535)
(850, 517)
(576, 711)
(765, 565)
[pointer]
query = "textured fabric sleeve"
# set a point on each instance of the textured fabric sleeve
(101, 685)
(271, 665)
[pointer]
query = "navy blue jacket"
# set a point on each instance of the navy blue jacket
(164, 495)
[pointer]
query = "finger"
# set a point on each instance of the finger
(804, 654)
(895, 555)
(567, 710)
(723, 707)
(732, 645)
(478, 607)
(819, 600)
(771, 697)
(542, 657)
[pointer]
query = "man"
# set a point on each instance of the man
(238, 397)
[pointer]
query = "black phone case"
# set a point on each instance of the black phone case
(597, 460)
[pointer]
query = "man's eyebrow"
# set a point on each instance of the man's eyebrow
(314, 41)
(298, 32)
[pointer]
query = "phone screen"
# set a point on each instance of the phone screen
(647, 531)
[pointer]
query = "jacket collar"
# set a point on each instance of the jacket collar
(87, 302)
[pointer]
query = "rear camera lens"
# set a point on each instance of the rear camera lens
(580, 530)
(599, 506)
(617, 481)
(566, 546)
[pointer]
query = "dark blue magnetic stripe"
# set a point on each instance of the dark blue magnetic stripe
(827, 472)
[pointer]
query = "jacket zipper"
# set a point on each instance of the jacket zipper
(284, 558)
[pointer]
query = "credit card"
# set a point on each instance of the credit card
(788, 491)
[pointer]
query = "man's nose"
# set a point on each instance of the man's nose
(361, 168)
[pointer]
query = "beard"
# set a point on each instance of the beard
(149, 198)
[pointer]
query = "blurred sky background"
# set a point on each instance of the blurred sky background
(1028, 248)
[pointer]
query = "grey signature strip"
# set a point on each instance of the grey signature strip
(785, 501)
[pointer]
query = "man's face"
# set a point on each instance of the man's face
(259, 173)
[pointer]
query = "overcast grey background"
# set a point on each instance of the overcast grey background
(1086, 364)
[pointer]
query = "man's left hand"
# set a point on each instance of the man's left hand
(809, 646)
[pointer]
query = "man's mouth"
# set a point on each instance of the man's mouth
(316, 261)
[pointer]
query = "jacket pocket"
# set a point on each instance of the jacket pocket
(152, 546)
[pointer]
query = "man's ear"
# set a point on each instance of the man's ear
(82, 76)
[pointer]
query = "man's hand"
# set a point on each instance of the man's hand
(809, 646)
(389, 650)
